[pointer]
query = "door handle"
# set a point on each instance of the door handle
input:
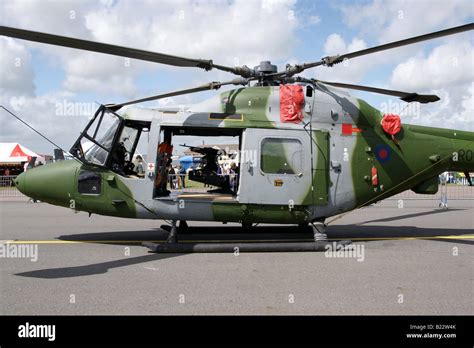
(249, 166)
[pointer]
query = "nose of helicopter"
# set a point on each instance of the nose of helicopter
(52, 183)
(20, 182)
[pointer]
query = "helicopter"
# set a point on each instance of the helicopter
(310, 151)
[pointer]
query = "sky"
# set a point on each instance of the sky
(58, 89)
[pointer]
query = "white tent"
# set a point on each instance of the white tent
(17, 153)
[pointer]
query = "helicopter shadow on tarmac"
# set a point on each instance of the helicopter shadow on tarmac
(413, 215)
(234, 233)
(92, 269)
(135, 238)
(368, 233)
(226, 233)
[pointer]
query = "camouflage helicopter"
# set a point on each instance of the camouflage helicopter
(309, 150)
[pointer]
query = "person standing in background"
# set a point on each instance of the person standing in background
(172, 177)
(182, 175)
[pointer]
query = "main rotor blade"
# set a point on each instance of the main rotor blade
(406, 42)
(100, 47)
(405, 96)
(206, 87)
(331, 60)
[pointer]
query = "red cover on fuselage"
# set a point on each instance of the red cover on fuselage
(291, 103)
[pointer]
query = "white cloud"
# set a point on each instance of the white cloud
(16, 72)
(445, 69)
(229, 32)
(241, 31)
(387, 21)
(334, 44)
(446, 65)
(454, 110)
(313, 20)
(42, 114)
(17, 93)
(347, 71)
(398, 19)
(448, 72)
(101, 74)
(58, 17)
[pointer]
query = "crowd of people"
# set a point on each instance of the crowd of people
(177, 175)
(232, 171)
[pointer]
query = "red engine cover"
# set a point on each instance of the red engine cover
(391, 124)
(291, 103)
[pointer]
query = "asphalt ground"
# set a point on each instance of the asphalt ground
(416, 260)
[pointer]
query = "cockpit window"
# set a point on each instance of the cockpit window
(122, 153)
(103, 129)
(128, 138)
(111, 142)
(100, 138)
(96, 142)
(98, 152)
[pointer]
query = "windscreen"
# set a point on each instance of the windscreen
(97, 141)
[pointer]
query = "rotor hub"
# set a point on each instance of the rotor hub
(266, 67)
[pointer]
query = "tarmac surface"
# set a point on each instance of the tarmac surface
(415, 260)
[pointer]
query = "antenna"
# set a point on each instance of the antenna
(37, 132)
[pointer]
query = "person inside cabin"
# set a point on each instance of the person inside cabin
(139, 167)
(233, 177)
(167, 177)
(118, 158)
(165, 150)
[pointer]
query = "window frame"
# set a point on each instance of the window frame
(84, 135)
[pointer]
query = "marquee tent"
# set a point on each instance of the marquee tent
(17, 153)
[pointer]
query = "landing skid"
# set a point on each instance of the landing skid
(172, 245)
(242, 247)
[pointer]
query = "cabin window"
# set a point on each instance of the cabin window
(89, 183)
(281, 156)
